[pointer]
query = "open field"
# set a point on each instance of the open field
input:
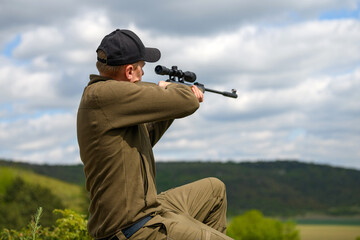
(328, 232)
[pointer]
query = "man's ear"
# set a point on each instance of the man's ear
(129, 69)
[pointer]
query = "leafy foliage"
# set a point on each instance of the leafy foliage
(254, 226)
(70, 226)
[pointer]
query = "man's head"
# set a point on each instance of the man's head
(122, 51)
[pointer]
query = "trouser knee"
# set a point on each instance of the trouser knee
(218, 187)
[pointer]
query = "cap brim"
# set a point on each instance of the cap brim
(152, 55)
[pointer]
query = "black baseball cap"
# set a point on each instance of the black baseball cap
(125, 47)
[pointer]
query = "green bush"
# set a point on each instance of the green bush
(73, 226)
(70, 226)
(254, 226)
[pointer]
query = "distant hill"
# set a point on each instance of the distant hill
(71, 195)
(22, 192)
(67, 173)
(284, 188)
(279, 188)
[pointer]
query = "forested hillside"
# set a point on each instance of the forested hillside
(279, 188)
(283, 188)
(22, 192)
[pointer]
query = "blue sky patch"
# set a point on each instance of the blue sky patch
(9, 47)
(9, 114)
(341, 14)
(296, 133)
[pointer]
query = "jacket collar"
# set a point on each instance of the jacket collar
(94, 78)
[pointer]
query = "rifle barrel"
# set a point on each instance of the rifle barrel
(226, 94)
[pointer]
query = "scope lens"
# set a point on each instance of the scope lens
(158, 69)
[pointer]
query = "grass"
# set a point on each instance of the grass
(328, 232)
(72, 196)
(344, 221)
(6, 178)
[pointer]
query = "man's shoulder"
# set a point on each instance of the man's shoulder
(146, 84)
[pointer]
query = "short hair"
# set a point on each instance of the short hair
(104, 68)
(110, 71)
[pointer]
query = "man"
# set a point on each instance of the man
(120, 119)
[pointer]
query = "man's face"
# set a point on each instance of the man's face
(138, 72)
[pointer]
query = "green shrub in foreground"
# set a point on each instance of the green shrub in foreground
(254, 226)
(73, 226)
(70, 226)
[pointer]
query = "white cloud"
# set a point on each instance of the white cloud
(48, 138)
(297, 77)
(78, 56)
(90, 27)
(18, 84)
(39, 41)
(315, 120)
(254, 57)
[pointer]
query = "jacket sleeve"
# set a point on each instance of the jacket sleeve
(125, 104)
(157, 129)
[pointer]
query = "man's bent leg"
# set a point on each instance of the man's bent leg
(204, 200)
(186, 227)
(169, 225)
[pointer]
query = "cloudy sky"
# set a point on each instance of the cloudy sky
(295, 65)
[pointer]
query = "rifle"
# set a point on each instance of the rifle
(188, 76)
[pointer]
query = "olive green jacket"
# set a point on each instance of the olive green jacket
(118, 123)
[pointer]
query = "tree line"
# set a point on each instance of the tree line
(278, 188)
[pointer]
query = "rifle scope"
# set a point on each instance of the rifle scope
(174, 72)
(189, 77)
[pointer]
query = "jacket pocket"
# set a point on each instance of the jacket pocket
(144, 177)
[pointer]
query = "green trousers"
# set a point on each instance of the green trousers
(196, 211)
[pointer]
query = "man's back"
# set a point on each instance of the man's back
(116, 147)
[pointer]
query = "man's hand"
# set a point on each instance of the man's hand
(198, 93)
(163, 84)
